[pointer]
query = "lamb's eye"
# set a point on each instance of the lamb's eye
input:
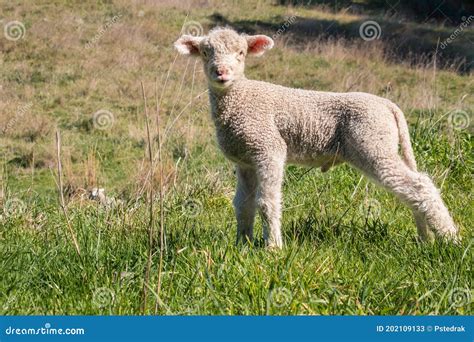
(205, 53)
(241, 53)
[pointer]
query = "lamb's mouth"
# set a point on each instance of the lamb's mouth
(222, 83)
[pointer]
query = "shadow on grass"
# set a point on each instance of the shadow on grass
(405, 42)
(448, 12)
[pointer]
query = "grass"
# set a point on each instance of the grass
(350, 246)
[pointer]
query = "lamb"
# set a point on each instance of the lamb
(261, 126)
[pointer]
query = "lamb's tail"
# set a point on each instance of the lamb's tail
(404, 136)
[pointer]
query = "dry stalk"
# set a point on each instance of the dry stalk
(150, 205)
(162, 217)
(62, 203)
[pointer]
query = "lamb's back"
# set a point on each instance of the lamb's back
(256, 114)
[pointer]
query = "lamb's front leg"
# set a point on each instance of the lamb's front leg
(244, 203)
(270, 178)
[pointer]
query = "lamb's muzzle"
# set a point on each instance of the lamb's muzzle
(261, 126)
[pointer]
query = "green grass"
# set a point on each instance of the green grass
(350, 248)
(340, 257)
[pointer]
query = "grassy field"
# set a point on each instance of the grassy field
(351, 247)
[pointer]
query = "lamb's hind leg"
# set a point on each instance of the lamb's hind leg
(244, 203)
(424, 233)
(418, 192)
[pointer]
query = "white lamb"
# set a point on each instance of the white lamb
(260, 126)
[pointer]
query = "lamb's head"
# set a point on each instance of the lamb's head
(223, 53)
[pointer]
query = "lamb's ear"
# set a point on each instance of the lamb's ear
(258, 44)
(188, 45)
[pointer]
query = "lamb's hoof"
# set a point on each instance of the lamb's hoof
(274, 246)
(452, 236)
(428, 237)
(244, 241)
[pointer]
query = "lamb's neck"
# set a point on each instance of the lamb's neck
(216, 95)
(214, 99)
(216, 92)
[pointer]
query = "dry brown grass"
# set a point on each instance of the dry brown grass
(65, 82)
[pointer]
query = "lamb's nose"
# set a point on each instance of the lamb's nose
(221, 71)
